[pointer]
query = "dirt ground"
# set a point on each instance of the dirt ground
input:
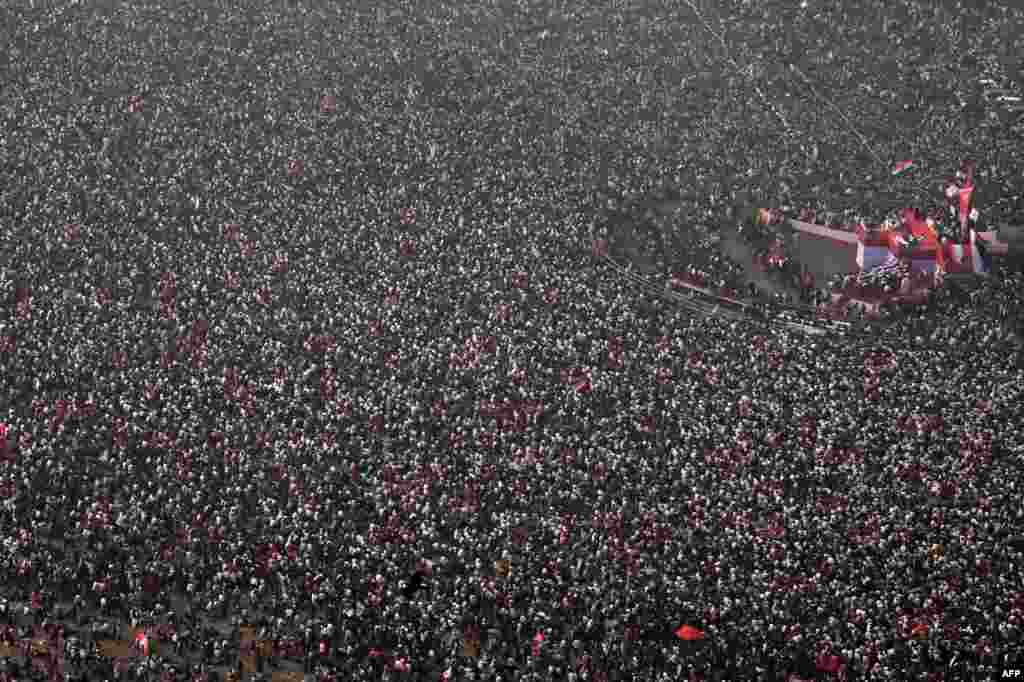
(823, 257)
(654, 238)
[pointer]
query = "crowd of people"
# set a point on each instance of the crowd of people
(306, 327)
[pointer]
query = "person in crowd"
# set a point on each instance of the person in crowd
(275, 359)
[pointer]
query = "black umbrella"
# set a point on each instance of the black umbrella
(416, 582)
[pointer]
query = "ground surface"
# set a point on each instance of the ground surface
(824, 258)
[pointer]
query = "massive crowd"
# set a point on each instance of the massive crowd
(300, 304)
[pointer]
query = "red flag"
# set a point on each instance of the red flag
(902, 166)
(689, 633)
(966, 197)
(829, 664)
(143, 642)
(151, 583)
(232, 231)
(771, 532)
